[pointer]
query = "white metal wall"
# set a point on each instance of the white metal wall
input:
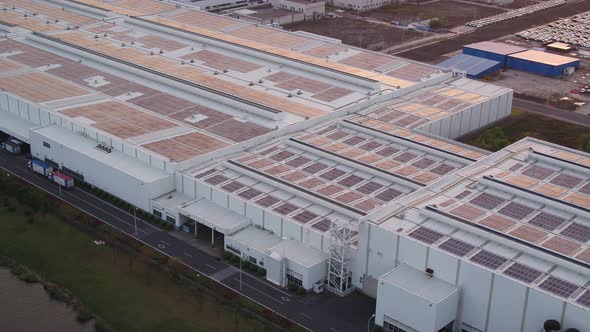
(489, 301)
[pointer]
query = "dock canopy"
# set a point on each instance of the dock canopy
(215, 216)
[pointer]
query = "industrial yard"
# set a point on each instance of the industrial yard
(333, 179)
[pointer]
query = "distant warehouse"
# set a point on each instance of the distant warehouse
(492, 50)
(542, 63)
(474, 67)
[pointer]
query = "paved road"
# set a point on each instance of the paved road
(325, 312)
(568, 116)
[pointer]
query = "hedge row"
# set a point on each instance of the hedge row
(144, 215)
(246, 265)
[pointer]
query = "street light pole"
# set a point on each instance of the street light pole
(241, 259)
(369, 323)
(135, 219)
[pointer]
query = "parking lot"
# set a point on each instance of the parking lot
(457, 13)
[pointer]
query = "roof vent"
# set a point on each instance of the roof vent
(192, 60)
(269, 70)
(95, 36)
(26, 15)
(299, 92)
(429, 272)
(251, 83)
(161, 52)
(225, 70)
(260, 81)
(182, 62)
(151, 52)
(105, 34)
(122, 44)
(132, 42)
(290, 95)
(216, 73)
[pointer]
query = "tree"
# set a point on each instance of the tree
(492, 139)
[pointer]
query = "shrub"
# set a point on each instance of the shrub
(7, 262)
(101, 326)
(378, 328)
(253, 268)
(300, 290)
(235, 259)
(292, 287)
(261, 271)
(246, 265)
(84, 314)
(227, 255)
(25, 274)
(58, 293)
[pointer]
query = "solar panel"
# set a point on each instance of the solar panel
(369, 146)
(463, 194)
(299, 161)
(315, 168)
(305, 216)
(558, 286)
(424, 163)
(547, 221)
(332, 174)
(387, 151)
(457, 247)
(354, 140)
(217, 179)
(405, 157)
(250, 193)
(233, 186)
(280, 156)
(516, 211)
(388, 194)
(337, 135)
(487, 201)
(426, 235)
(351, 181)
(442, 169)
(267, 201)
(204, 174)
(523, 272)
(566, 181)
(585, 299)
(488, 259)
(585, 189)
(285, 208)
(538, 172)
(369, 187)
(515, 167)
(322, 225)
(577, 232)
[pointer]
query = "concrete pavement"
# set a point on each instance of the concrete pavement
(324, 312)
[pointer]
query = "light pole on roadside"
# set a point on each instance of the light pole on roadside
(135, 219)
(241, 259)
(369, 322)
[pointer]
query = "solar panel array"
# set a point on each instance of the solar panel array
(516, 211)
(456, 247)
(426, 235)
(487, 201)
(488, 259)
(390, 157)
(558, 286)
(584, 299)
(523, 272)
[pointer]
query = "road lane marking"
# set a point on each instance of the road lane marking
(259, 291)
(211, 266)
(306, 315)
(189, 255)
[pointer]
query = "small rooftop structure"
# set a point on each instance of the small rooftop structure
(299, 253)
(495, 47)
(562, 47)
(215, 216)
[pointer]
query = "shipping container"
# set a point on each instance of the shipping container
(63, 180)
(41, 167)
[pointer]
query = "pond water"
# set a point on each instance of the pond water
(27, 308)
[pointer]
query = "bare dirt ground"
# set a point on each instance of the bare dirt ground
(456, 13)
(357, 32)
(434, 51)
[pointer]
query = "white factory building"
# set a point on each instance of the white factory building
(321, 162)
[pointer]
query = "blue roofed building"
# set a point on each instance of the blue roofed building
(492, 50)
(474, 67)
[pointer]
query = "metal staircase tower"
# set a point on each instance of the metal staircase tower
(339, 272)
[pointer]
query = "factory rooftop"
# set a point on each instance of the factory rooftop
(524, 211)
(496, 47)
(544, 58)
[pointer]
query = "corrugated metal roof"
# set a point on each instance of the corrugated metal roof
(498, 48)
(544, 58)
(472, 65)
